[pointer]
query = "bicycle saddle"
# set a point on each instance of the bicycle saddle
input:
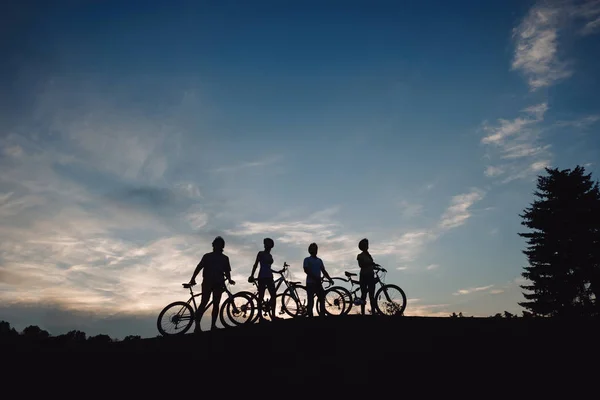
(349, 274)
(186, 285)
(294, 283)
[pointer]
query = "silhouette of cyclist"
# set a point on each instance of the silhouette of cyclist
(367, 275)
(265, 278)
(215, 268)
(313, 266)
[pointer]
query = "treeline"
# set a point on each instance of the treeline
(35, 333)
(505, 315)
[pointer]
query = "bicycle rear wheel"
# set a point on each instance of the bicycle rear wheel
(175, 319)
(390, 300)
(237, 310)
(334, 302)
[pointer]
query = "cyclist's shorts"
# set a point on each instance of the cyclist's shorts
(213, 287)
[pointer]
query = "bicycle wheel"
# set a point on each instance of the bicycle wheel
(346, 297)
(334, 302)
(298, 307)
(390, 300)
(177, 317)
(237, 310)
(289, 305)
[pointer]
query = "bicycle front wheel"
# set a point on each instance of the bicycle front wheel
(299, 306)
(390, 300)
(175, 319)
(237, 310)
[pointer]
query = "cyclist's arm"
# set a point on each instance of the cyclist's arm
(197, 270)
(255, 264)
(325, 274)
(364, 262)
(228, 270)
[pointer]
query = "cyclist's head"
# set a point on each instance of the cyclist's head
(218, 243)
(269, 243)
(312, 249)
(363, 244)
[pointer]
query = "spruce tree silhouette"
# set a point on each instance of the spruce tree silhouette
(563, 248)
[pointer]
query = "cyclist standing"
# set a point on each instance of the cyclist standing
(215, 268)
(265, 278)
(367, 275)
(313, 266)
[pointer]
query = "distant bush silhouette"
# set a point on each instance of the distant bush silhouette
(132, 337)
(35, 332)
(73, 336)
(99, 339)
(6, 330)
(564, 247)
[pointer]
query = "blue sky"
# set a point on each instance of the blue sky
(132, 134)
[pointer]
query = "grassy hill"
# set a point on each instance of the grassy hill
(351, 350)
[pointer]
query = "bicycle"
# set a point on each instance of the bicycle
(292, 299)
(386, 301)
(237, 305)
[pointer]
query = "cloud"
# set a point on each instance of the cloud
(472, 290)
(431, 267)
(537, 54)
(536, 49)
(196, 217)
(498, 135)
(591, 27)
(458, 211)
(581, 123)
(589, 13)
(426, 310)
(492, 171)
(516, 145)
(410, 210)
(189, 189)
(250, 164)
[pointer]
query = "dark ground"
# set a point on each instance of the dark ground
(351, 354)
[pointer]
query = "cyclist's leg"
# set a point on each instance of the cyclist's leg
(270, 284)
(310, 293)
(205, 297)
(261, 296)
(217, 292)
(372, 294)
(364, 286)
(321, 298)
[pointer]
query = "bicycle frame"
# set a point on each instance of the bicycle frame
(355, 284)
(193, 296)
(281, 280)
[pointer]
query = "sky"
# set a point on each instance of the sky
(133, 133)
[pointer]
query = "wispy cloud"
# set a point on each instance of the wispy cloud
(410, 210)
(506, 129)
(536, 51)
(250, 164)
(431, 267)
(458, 211)
(472, 290)
(581, 123)
(515, 144)
(588, 11)
(415, 308)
